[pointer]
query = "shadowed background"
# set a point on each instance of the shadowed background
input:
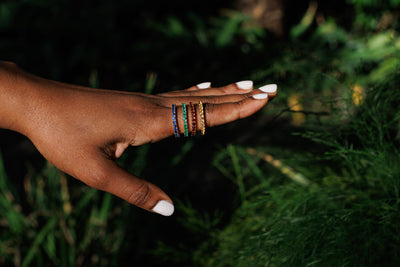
(261, 191)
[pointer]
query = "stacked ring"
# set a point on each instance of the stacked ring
(202, 120)
(176, 131)
(185, 121)
(194, 119)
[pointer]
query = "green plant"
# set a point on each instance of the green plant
(319, 191)
(337, 207)
(54, 227)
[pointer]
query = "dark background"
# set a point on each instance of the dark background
(121, 45)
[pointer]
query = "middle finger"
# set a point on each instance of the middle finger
(219, 99)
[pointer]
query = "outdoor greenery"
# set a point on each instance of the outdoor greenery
(311, 180)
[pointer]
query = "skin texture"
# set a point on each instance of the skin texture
(83, 130)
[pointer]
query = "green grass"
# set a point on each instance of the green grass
(343, 211)
(346, 216)
(60, 226)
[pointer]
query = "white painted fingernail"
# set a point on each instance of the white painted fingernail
(269, 88)
(164, 207)
(260, 96)
(204, 85)
(245, 85)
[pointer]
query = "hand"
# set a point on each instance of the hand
(83, 130)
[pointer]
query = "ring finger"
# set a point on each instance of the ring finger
(216, 113)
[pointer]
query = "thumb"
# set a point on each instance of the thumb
(115, 180)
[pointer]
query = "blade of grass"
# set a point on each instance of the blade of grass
(255, 170)
(11, 210)
(295, 176)
(238, 171)
(50, 225)
(85, 200)
(221, 155)
(105, 208)
(150, 82)
(49, 246)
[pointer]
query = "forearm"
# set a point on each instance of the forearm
(13, 97)
(25, 98)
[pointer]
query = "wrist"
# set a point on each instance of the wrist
(17, 98)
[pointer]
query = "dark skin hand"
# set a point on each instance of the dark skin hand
(82, 131)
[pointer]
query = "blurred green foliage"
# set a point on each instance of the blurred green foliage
(60, 227)
(345, 213)
(311, 180)
(368, 12)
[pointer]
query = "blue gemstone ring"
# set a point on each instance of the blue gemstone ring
(176, 131)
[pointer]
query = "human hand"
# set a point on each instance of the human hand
(82, 131)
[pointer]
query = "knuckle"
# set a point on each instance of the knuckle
(8, 64)
(141, 195)
(226, 89)
(98, 179)
(246, 96)
(209, 108)
(240, 106)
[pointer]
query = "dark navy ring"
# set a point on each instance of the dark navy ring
(176, 131)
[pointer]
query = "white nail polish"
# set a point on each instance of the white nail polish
(204, 85)
(245, 85)
(269, 88)
(260, 96)
(164, 207)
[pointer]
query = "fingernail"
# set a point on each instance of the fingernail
(164, 207)
(269, 88)
(245, 85)
(260, 96)
(204, 85)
